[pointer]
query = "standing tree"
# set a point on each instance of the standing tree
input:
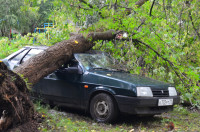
(23, 15)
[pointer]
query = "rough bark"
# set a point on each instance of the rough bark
(15, 105)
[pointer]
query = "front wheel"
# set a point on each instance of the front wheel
(103, 108)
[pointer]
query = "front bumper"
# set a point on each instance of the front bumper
(144, 105)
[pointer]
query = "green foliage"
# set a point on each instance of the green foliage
(170, 31)
(7, 47)
(49, 38)
(23, 16)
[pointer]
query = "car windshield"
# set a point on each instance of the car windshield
(98, 61)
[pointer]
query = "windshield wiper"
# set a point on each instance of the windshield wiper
(99, 68)
(122, 70)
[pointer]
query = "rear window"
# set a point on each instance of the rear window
(32, 53)
(19, 56)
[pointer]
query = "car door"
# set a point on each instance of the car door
(62, 86)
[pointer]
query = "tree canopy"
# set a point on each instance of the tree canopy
(163, 36)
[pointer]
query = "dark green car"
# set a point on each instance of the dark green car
(91, 82)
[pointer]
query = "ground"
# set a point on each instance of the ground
(30, 126)
(65, 119)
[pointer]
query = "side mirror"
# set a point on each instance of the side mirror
(74, 70)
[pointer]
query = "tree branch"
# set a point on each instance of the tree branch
(140, 2)
(161, 38)
(165, 59)
(115, 5)
(91, 6)
(197, 33)
(83, 1)
(152, 7)
(180, 25)
(165, 11)
(142, 22)
(80, 7)
(108, 35)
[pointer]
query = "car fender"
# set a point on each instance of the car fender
(100, 89)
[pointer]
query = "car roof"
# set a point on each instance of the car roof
(37, 47)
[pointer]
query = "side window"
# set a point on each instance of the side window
(19, 56)
(31, 53)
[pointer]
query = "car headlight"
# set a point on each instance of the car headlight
(172, 91)
(144, 92)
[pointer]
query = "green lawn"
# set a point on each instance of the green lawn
(73, 120)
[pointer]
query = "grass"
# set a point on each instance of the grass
(76, 121)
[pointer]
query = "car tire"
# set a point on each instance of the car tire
(103, 108)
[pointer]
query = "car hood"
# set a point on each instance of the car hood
(134, 79)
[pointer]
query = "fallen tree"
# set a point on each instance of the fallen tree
(16, 107)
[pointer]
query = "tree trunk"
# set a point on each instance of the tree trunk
(15, 103)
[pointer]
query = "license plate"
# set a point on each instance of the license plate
(165, 102)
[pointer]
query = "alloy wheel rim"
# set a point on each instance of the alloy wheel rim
(102, 108)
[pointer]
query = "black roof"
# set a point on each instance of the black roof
(37, 47)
